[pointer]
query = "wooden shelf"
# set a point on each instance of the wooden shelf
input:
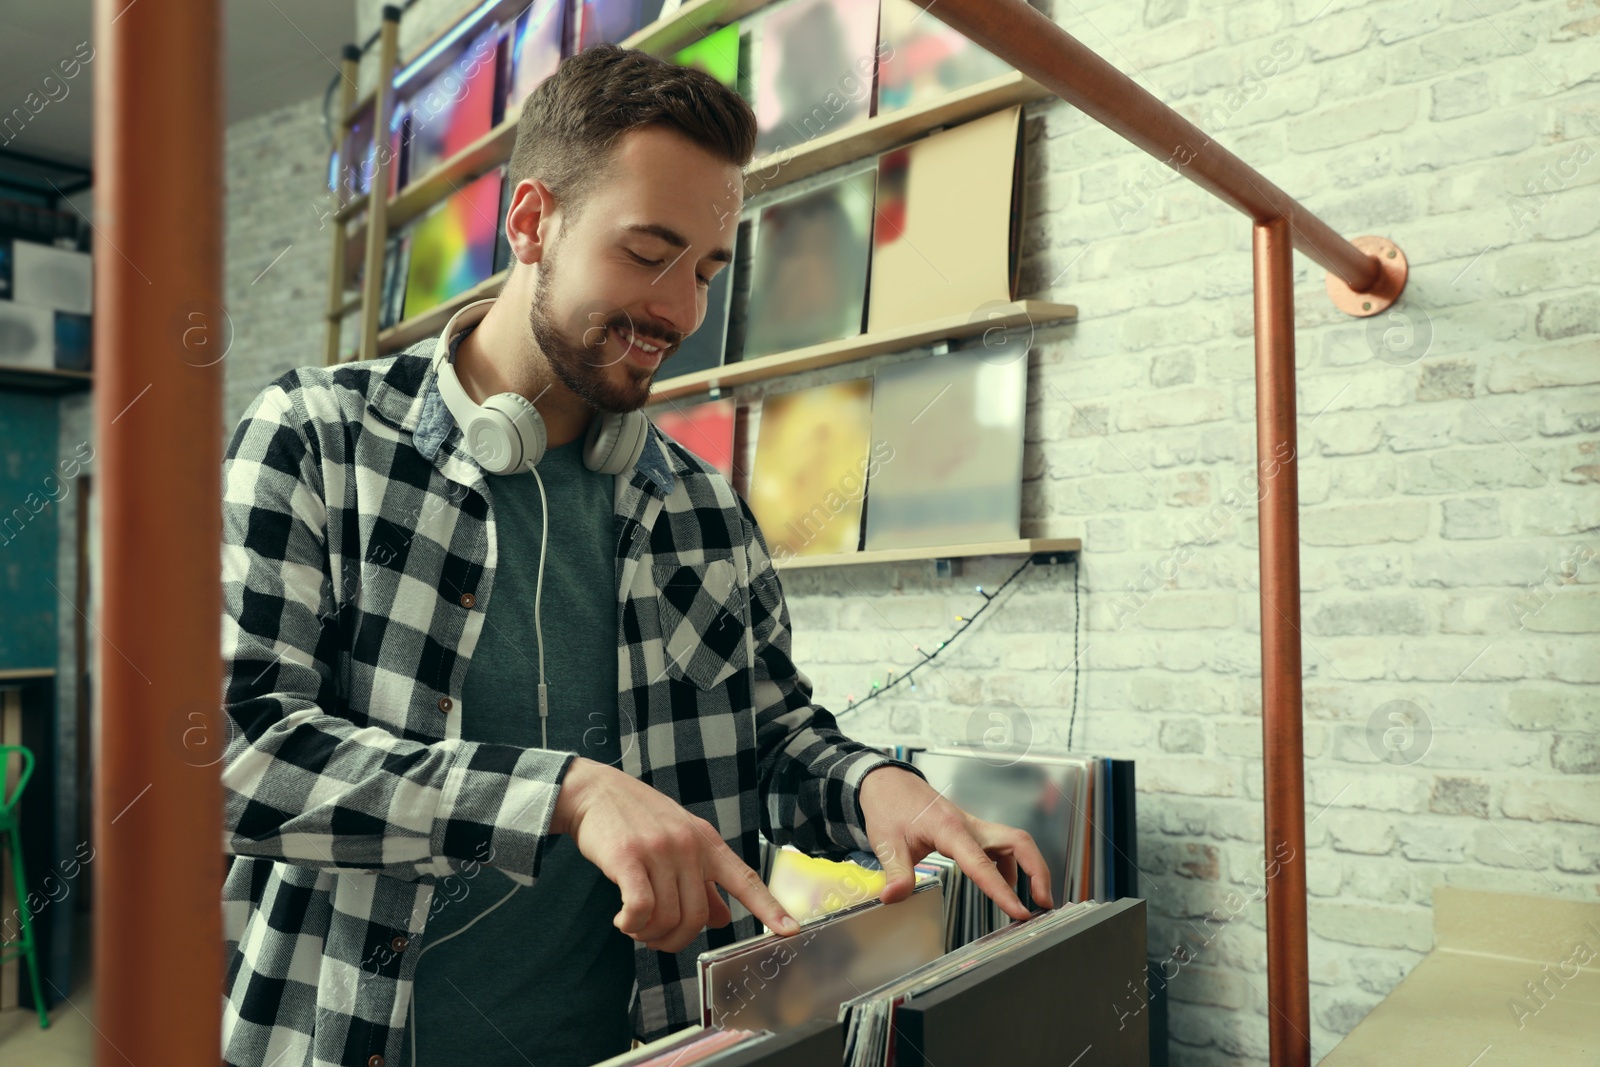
(879, 134)
(845, 145)
(1026, 546)
(691, 22)
(44, 379)
(25, 674)
(1016, 313)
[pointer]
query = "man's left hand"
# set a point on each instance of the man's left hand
(906, 819)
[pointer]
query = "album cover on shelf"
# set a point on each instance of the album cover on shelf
(706, 429)
(814, 71)
(921, 59)
(941, 244)
(455, 109)
(954, 423)
(530, 52)
(811, 466)
(809, 267)
(452, 247)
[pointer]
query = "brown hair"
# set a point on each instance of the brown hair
(571, 122)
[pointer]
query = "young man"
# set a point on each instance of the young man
(411, 841)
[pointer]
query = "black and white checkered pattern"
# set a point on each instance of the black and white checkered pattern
(354, 525)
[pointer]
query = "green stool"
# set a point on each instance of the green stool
(11, 835)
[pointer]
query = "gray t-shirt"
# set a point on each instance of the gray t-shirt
(546, 978)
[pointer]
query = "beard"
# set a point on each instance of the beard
(581, 364)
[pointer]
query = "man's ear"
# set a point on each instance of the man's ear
(532, 221)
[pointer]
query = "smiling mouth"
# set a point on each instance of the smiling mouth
(647, 353)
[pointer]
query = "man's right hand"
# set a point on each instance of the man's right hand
(667, 862)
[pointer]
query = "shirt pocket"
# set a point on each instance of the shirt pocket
(703, 614)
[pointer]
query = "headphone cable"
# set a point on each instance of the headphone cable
(538, 594)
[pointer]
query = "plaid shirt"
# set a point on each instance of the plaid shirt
(358, 560)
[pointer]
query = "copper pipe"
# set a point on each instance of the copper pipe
(1283, 750)
(1030, 42)
(158, 339)
(1039, 48)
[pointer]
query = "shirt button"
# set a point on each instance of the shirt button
(399, 944)
(374, 1061)
(445, 704)
(467, 600)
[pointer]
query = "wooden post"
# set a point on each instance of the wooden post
(349, 70)
(378, 198)
(160, 335)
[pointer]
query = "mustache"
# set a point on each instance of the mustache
(650, 333)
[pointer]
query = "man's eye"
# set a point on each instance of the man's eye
(646, 262)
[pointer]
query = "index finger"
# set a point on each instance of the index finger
(730, 872)
(976, 864)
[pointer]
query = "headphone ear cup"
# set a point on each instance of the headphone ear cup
(615, 441)
(506, 434)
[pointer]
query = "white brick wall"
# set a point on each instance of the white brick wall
(1448, 469)
(278, 249)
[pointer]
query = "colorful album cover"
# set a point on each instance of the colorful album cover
(452, 247)
(921, 59)
(809, 475)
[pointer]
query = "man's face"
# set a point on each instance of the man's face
(622, 286)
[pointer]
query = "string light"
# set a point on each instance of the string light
(891, 680)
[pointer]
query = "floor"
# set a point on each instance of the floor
(69, 1042)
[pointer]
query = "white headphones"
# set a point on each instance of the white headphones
(505, 434)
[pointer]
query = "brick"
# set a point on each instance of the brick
(1408, 432)
(1547, 800)
(1172, 368)
(1453, 98)
(1182, 735)
(1364, 524)
(1349, 434)
(1362, 832)
(1568, 316)
(1577, 753)
(1369, 615)
(1365, 479)
(1174, 407)
(1340, 35)
(1435, 842)
(1519, 847)
(1172, 42)
(1464, 470)
(1377, 880)
(1545, 709)
(1513, 564)
(1497, 421)
(1464, 48)
(1356, 121)
(1372, 925)
(1446, 380)
(1571, 611)
(1379, 973)
(1577, 412)
(1188, 776)
(1578, 855)
(1476, 614)
(1472, 518)
(1198, 861)
(1372, 570)
(1577, 363)
(1459, 796)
